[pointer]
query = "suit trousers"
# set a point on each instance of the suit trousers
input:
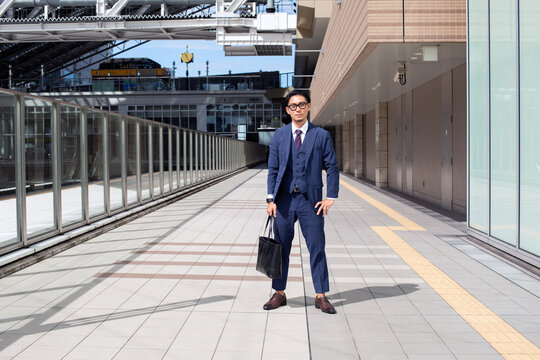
(292, 207)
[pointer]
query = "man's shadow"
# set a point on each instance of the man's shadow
(358, 295)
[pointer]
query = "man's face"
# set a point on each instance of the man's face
(297, 102)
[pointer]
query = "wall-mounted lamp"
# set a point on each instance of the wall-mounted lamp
(401, 73)
(338, 2)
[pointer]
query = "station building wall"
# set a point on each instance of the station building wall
(426, 143)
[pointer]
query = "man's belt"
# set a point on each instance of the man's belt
(296, 189)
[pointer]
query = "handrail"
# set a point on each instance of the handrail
(48, 148)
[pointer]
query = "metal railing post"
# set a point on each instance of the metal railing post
(150, 161)
(196, 157)
(161, 158)
(84, 165)
(169, 139)
(106, 164)
(190, 157)
(138, 159)
(177, 158)
(123, 161)
(57, 165)
(184, 156)
(20, 170)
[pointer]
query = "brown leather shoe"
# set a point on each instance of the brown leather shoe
(325, 306)
(275, 301)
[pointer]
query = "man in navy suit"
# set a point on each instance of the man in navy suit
(299, 152)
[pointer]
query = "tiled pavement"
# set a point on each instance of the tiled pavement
(180, 283)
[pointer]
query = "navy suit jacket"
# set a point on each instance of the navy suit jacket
(320, 155)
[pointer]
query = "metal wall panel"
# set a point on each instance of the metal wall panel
(408, 121)
(446, 141)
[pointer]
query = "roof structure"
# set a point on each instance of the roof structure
(55, 35)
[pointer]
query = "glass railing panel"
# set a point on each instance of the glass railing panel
(190, 155)
(8, 203)
(210, 155)
(38, 144)
(96, 191)
(166, 167)
(155, 161)
(71, 172)
(211, 146)
(145, 161)
(197, 158)
(204, 156)
(174, 153)
(115, 161)
(131, 151)
(183, 158)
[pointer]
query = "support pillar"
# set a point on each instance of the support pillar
(346, 145)
(358, 147)
(381, 144)
(339, 146)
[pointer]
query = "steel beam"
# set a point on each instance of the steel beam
(4, 6)
(142, 10)
(151, 29)
(235, 5)
(117, 8)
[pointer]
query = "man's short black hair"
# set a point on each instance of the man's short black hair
(303, 93)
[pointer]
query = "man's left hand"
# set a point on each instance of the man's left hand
(324, 206)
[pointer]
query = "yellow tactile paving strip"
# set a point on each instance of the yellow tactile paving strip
(498, 333)
(407, 223)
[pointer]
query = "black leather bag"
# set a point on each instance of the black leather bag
(269, 254)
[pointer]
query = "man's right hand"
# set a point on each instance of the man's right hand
(271, 209)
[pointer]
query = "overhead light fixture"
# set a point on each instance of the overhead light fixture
(431, 52)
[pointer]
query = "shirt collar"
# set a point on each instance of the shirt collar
(304, 128)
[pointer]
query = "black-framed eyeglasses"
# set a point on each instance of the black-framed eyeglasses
(301, 105)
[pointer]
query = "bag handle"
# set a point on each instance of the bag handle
(271, 230)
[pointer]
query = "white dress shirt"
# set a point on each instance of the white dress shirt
(303, 128)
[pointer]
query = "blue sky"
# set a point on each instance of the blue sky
(167, 51)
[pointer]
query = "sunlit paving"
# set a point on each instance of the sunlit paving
(269, 179)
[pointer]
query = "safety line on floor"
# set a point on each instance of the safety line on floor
(497, 332)
(506, 340)
(405, 222)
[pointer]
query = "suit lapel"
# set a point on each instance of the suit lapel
(309, 141)
(285, 149)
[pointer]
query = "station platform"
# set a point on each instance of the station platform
(180, 283)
